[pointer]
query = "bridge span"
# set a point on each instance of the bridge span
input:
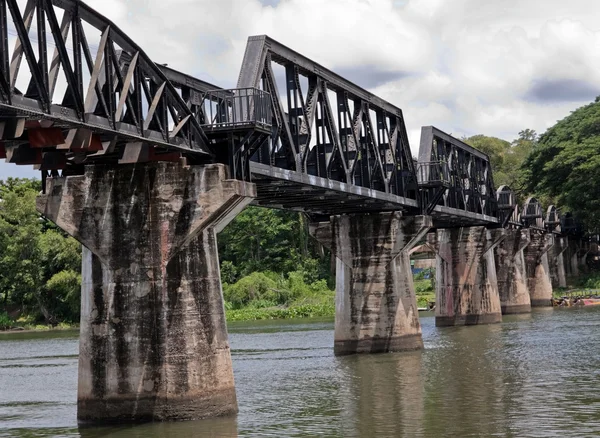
(144, 165)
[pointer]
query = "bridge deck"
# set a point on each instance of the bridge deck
(290, 190)
(320, 144)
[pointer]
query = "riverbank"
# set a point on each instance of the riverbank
(307, 302)
(39, 328)
(292, 312)
(250, 313)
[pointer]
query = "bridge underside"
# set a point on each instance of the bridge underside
(289, 190)
(448, 217)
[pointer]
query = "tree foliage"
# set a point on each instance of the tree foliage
(564, 168)
(261, 239)
(39, 265)
(506, 158)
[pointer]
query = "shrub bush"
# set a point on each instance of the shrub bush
(255, 286)
(5, 321)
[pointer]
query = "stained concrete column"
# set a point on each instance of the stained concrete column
(153, 343)
(510, 270)
(537, 269)
(556, 262)
(376, 307)
(572, 257)
(582, 256)
(568, 255)
(466, 284)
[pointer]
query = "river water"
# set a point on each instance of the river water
(535, 375)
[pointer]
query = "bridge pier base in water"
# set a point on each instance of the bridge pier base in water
(510, 271)
(466, 284)
(376, 307)
(153, 343)
(537, 269)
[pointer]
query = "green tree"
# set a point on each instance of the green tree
(20, 262)
(61, 279)
(506, 158)
(39, 265)
(261, 239)
(499, 152)
(564, 167)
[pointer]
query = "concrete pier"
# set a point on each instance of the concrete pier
(466, 284)
(574, 257)
(556, 262)
(570, 261)
(376, 307)
(153, 343)
(537, 269)
(510, 271)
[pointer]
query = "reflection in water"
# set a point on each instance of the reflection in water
(533, 375)
(219, 427)
(465, 368)
(386, 395)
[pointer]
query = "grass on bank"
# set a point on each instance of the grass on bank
(29, 323)
(261, 296)
(267, 295)
(425, 287)
(583, 285)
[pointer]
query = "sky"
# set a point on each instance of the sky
(465, 66)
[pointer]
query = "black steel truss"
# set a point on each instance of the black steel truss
(320, 144)
(85, 77)
(326, 126)
(455, 178)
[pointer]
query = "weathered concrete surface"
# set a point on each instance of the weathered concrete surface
(376, 307)
(510, 270)
(556, 262)
(538, 272)
(153, 342)
(570, 256)
(466, 284)
(574, 258)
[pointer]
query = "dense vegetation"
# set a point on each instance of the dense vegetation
(506, 157)
(39, 265)
(270, 267)
(564, 168)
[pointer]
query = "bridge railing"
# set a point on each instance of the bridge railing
(236, 108)
(433, 174)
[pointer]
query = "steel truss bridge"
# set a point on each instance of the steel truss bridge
(76, 90)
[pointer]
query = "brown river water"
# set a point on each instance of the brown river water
(534, 375)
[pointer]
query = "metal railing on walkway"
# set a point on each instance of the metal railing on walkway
(433, 174)
(237, 108)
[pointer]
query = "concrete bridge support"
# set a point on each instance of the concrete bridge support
(510, 271)
(556, 262)
(584, 253)
(466, 284)
(376, 307)
(153, 342)
(575, 256)
(537, 269)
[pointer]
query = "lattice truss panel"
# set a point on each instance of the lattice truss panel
(326, 126)
(75, 88)
(468, 184)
